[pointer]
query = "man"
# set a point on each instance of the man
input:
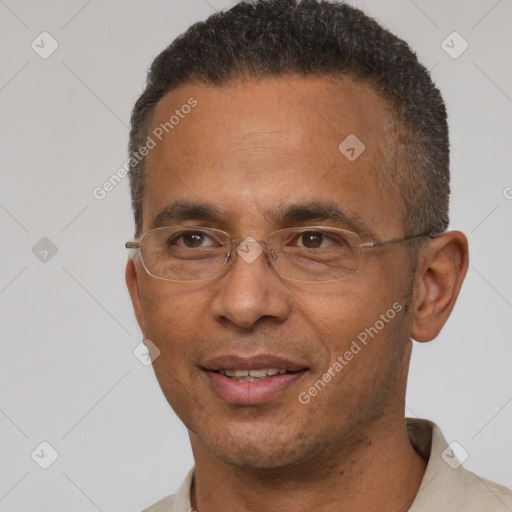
(290, 183)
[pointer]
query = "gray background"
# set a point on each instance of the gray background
(68, 375)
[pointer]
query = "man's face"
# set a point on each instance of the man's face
(250, 152)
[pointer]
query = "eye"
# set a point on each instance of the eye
(191, 240)
(321, 240)
(313, 239)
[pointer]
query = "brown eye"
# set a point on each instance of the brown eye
(312, 239)
(190, 240)
(193, 239)
(321, 240)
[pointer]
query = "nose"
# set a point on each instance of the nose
(251, 291)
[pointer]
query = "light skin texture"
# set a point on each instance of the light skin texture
(246, 149)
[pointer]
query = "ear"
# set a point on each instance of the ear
(442, 266)
(133, 287)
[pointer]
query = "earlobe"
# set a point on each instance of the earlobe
(442, 266)
(133, 288)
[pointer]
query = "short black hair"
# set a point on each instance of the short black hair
(272, 38)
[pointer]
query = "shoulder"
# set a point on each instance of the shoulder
(179, 502)
(165, 505)
(479, 494)
(447, 486)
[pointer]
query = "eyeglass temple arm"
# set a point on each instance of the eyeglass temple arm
(132, 245)
(384, 243)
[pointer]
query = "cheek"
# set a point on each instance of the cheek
(171, 318)
(357, 322)
(171, 307)
(363, 341)
(340, 311)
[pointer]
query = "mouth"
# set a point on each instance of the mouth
(251, 381)
(253, 375)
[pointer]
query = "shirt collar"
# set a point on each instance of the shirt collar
(182, 500)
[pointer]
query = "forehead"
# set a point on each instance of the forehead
(251, 146)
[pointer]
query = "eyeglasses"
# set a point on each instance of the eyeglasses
(315, 254)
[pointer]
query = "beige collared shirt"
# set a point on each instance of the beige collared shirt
(446, 485)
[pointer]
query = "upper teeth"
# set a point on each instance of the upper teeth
(263, 372)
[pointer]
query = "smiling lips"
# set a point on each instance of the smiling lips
(251, 375)
(251, 381)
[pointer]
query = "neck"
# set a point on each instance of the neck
(375, 470)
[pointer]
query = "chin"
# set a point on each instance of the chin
(263, 448)
(249, 455)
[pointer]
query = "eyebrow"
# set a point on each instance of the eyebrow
(285, 215)
(179, 211)
(321, 211)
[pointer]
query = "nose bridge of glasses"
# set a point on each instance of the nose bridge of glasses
(248, 239)
(249, 249)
